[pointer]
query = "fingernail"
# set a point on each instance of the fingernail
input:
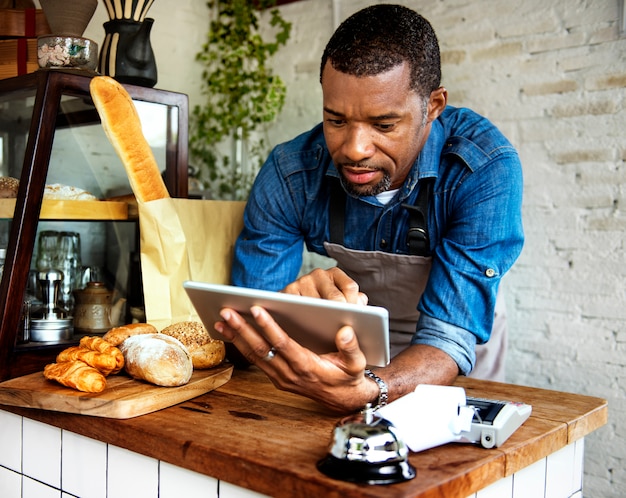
(347, 333)
(219, 326)
(225, 314)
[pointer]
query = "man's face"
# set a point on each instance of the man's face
(375, 127)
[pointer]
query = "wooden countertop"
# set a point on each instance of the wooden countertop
(250, 434)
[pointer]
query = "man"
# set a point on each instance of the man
(350, 188)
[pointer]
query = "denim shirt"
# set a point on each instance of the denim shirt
(475, 224)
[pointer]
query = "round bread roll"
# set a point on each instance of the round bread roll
(8, 187)
(117, 335)
(158, 359)
(60, 192)
(205, 352)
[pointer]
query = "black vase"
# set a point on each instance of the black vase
(126, 53)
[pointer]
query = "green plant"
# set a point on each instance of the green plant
(241, 94)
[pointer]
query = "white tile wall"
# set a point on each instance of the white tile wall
(41, 449)
(228, 490)
(560, 469)
(499, 489)
(10, 483)
(36, 489)
(11, 441)
(579, 459)
(530, 481)
(62, 464)
(131, 475)
(84, 466)
(175, 482)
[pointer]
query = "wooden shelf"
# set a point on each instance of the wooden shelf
(73, 210)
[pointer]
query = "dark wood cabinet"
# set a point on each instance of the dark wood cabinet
(47, 117)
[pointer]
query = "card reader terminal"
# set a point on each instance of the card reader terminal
(494, 421)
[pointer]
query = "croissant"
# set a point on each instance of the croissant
(77, 375)
(96, 343)
(104, 362)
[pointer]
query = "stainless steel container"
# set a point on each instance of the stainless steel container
(49, 322)
(49, 330)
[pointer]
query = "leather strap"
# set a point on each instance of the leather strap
(417, 238)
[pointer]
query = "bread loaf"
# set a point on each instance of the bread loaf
(158, 359)
(60, 192)
(123, 128)
(117, 335)
(77, 375)
(205, 352)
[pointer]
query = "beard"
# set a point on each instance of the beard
(365, 190)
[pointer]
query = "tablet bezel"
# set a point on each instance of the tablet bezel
(311, 322)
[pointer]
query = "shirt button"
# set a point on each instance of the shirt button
(490, 272)
(383, 243)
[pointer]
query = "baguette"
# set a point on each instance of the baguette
(123, 128)
(77, 375)
(158, 359)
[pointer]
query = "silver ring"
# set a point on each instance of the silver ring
(270, 354)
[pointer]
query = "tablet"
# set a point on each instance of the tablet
(311, 322)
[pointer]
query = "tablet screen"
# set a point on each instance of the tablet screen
(311, 322)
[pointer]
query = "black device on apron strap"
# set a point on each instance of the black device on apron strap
(417, 238)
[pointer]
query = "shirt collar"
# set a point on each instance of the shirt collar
(427, 163)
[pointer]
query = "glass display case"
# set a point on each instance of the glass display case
(51, 138)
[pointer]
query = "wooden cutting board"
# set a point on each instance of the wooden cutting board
(122, 398)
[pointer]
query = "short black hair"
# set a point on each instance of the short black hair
(381, 37)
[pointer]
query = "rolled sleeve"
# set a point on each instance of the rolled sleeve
(458, 343)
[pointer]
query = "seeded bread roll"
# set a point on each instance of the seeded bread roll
(205, 352)
(123, 128)
(117, 335)
(8, 187)
(158, 359)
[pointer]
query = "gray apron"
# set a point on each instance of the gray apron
(396, 282)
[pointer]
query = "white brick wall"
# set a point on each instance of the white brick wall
(551, 74)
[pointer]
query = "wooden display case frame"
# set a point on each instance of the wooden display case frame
(50, 86)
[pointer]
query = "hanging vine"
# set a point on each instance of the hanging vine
(240, 92)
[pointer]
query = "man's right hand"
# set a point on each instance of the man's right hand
(332, 284)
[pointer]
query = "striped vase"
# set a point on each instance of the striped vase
(126, 52)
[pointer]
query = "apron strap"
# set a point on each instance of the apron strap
(417, 238)
(337, 212)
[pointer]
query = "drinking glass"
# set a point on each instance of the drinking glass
(46, 254)
(68, 260)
